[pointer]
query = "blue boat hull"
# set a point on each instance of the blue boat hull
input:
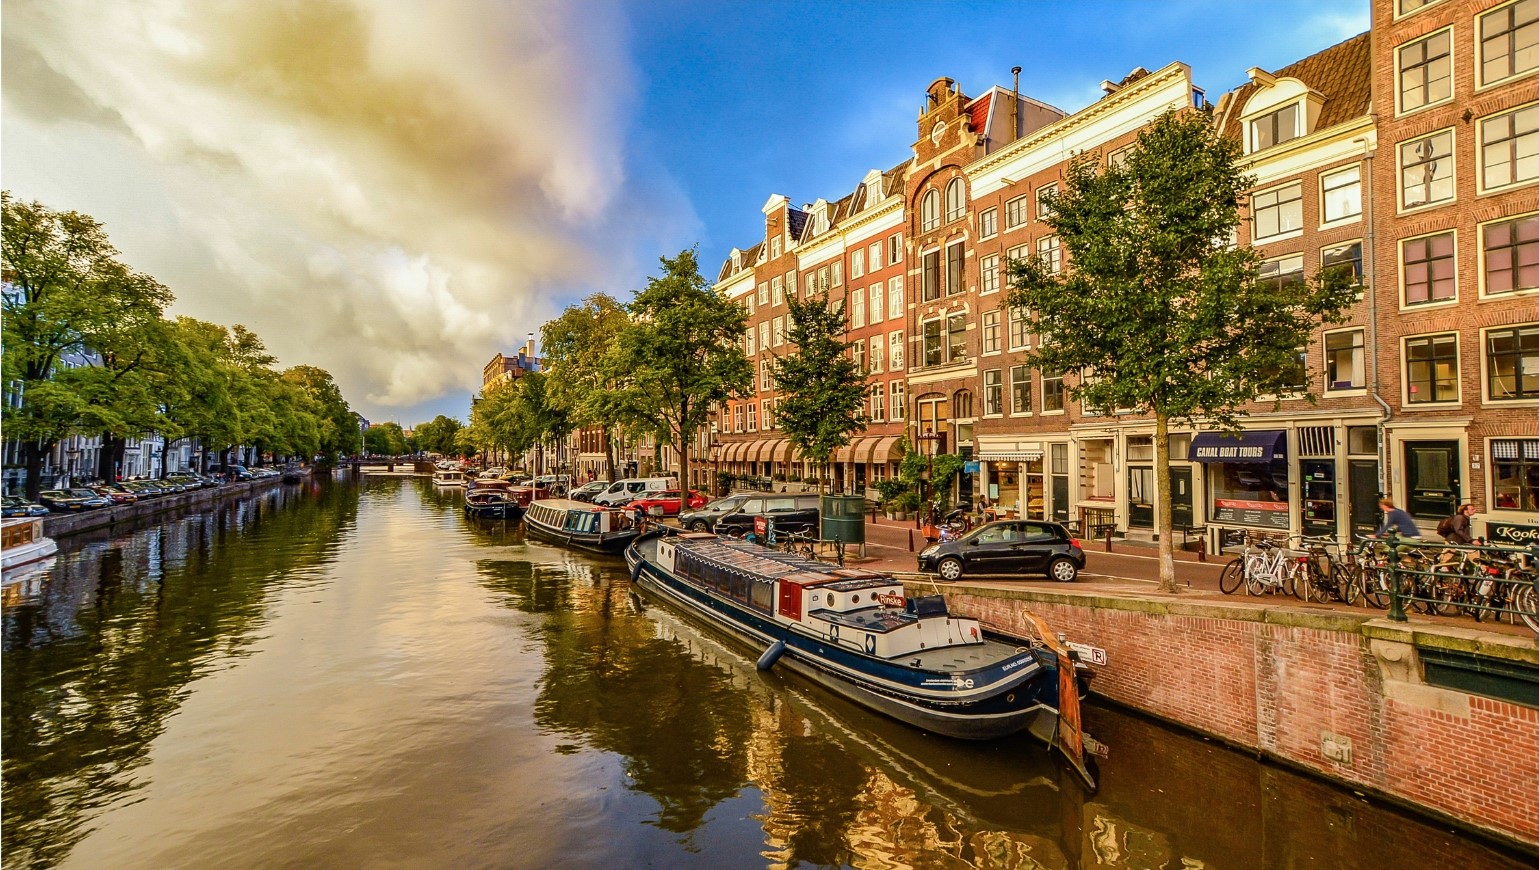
(1018, 692)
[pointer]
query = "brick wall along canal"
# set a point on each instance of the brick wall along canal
(355, 675)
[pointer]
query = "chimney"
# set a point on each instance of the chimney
(1015, 105)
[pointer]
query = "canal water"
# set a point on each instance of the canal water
(355, 675)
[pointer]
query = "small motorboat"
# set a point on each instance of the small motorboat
(22, 541)
(448, 477)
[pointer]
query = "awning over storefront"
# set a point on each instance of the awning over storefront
(760, 451)
(1250, 445)
(846, 454)
(780, 450)
(1007, 449)
(882, 449)
(734, 451)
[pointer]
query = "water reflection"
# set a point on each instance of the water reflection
(419, 689)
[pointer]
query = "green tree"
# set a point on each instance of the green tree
(823, 392)
(1157, 308)
(67, 294)
(438, 435)
(337, 427)
(681, 353)
(580, 348)
(385, 439)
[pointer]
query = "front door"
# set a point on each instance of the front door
(1180, 497)
(1141, 496)
(1431, 478)
(1060, 498)
(1363, 493)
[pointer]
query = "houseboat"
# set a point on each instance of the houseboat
(22, 541)
(577, 524)
(495, 497)
(855, 633)
(448, 477)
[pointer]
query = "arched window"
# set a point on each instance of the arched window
(956, 202)
(962, 402)
(929, 211)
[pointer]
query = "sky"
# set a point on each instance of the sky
(395, 190)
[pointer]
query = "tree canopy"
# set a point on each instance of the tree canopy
(822, 391)
(1157, 309)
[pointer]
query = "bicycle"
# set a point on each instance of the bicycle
(798, 544)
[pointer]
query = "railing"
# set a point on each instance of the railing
(1445, 579)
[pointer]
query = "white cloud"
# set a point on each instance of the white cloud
(387, 190)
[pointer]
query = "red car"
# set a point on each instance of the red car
(665, 502)
(117, 492)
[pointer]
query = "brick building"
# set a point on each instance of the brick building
(1428, 390)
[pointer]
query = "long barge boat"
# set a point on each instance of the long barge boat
(856, 634)
(580, 525)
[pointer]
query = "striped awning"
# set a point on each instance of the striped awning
(734, 452)
(882, 449)
(1006, 449)
(760, 451)
(780, 450)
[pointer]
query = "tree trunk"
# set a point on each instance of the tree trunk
(1162, 502)
(609, 454)
(683, 468)
(34, 452)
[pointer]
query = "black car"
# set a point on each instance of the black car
(587, 491)
(734, 515)
(16, 506)
(1008, 547)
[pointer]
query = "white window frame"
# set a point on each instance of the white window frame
(874, 257)
(1016, 318)
(753, 416)
(877, 310)
(1453, 60)
(1479, 51)
(1017, 206)
(955, 202)
(929, 210)
(878, 403)
(988, 223)
(895, 309)
(1405, 304)
(763, 293)
(779, 330)
(1480, 150)
(1453, 170)
(764, 334)
(876, 355)
(858, 354)
(1405, 372)
(837, 270)
(1362, 362)
(1041, 207)
(1480, 261)
(1050, 253)
(777, 291)
(1281, 234)
(990, 320)
(894, 248)
(988, 275)
(895, 350)
(1326, 189)
(857, 309)
(1010, 404)
(897, 401)
(998, 388)
(858, 263)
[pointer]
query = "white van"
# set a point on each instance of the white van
(623, 491)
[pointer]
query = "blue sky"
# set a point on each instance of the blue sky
(395, 191)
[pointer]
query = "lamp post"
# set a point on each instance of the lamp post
(927, 441)
(74, 457)
(715, 466)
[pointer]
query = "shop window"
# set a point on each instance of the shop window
(1141, 449)
(1427, 170)
(1249, 493)
(1515, 474)
(1432, 369)
(993, 393)
(1277, 211)
(1341, 194)
(1512, 363)
(1510, 255)
(1509, 41)
(1052, 392)
(1344, 364)
(930, 276)
(988, 223)
(1509, 147)
(1020, 390)
(1428, 265)
(1426, 71)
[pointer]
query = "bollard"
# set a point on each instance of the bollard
(911, 540)
(1202, 549)
(1108, 537)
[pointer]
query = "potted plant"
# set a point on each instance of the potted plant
(905, 504)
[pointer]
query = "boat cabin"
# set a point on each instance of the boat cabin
(861, 610)
(578, 517)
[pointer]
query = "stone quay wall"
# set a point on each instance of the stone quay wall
(1339, 694)
(58, 526)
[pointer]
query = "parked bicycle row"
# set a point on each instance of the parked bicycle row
(1395, 574)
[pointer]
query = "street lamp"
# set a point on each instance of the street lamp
(715, 446)
(927, 442)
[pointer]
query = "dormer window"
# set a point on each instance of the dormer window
(1275, 128)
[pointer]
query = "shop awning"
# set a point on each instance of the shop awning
(1006, 449)
(734, 451)
(1250, 445)
(780, 450)
(760, 451)
(846, 454)
(882, 449)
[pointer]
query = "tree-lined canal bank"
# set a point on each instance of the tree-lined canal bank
(354, 675)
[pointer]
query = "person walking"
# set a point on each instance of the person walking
(1455, 529)
(1396, 520)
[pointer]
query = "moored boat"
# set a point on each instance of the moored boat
(22, 541)
(584, 526)
(448, 477)
(855, 633)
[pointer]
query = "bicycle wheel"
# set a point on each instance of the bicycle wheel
(1375, 584)
(1346, 582)
(1526, 602)
(1232, 577)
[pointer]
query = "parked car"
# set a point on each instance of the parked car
(587, 491)
(192, 479)
(146, 488)
(67, 501)
(239, 472)
(16, 506)
(1008, 547)
(623, 491)
(119, 493)
(667, 503)
(734, 515)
